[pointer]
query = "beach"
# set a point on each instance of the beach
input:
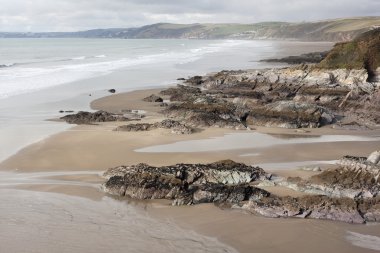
(73, 161)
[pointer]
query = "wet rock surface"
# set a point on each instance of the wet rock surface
(349, 193)
(315, 57)
(224, 181)
(154, 99)
(298, 97)
(81, 118)
(175, 127)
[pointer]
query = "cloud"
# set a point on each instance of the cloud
(73, 15)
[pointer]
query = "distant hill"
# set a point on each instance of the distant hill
(327, 30)
(362, 52)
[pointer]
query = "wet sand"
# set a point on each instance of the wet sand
(95, 148)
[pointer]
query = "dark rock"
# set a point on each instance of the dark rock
(289, 114)
(195, 80)
(182, 93)
(175, 126)
(138, 127)
(112, 91)
(92, 117)
(181, 79)
(230, 183)
(317, 207)
(185, 183)
(315, 57)
(154, 99)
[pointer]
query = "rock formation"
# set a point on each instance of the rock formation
(153, 98)
(175, 127)
(224, 181)
(92, 117)
(349, 193)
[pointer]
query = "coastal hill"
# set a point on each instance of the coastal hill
(362, 52)
(325, 30)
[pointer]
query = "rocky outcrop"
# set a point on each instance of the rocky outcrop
(290, 114)
(138, 127)
(81, 118)
(315, 57)
(224, 181)
(154, 99)
(356, 178)
(316, 207)
(182, 93)
(236, 185)
(303, 96)
(175, 127)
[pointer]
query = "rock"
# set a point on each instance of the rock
(229, 183)
(185, 183)
(195, 80)
(289, 114)
(181, 79)
(138, 127)
(112, 91)
(317, 207)
(355, 178)
(315, 57)
(374, 157)
(175, 126)
(92, 117)
(182, 93)
(153, 98)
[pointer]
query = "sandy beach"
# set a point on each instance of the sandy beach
(78, 157)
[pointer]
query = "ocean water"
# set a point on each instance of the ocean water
(39, 77)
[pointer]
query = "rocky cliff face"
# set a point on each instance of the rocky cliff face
(361, 53)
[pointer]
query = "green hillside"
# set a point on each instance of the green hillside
(362, 52)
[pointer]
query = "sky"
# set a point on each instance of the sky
(75, 15)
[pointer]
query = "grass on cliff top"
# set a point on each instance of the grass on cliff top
(362, 52)
(345, 25)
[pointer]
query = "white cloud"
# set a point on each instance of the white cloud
(72, 15)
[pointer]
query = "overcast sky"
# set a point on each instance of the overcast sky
(73, 15)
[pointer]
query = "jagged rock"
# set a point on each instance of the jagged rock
(195, 80)
(185, 183)
(175, 126)
(182, 93)
(154, 99)
(317, 207)
(92, 117)
(315, 57)
(289, 114)
(227, 182)
(138, 127)
(355, 178)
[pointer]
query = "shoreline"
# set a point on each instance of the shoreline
(60, 153)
